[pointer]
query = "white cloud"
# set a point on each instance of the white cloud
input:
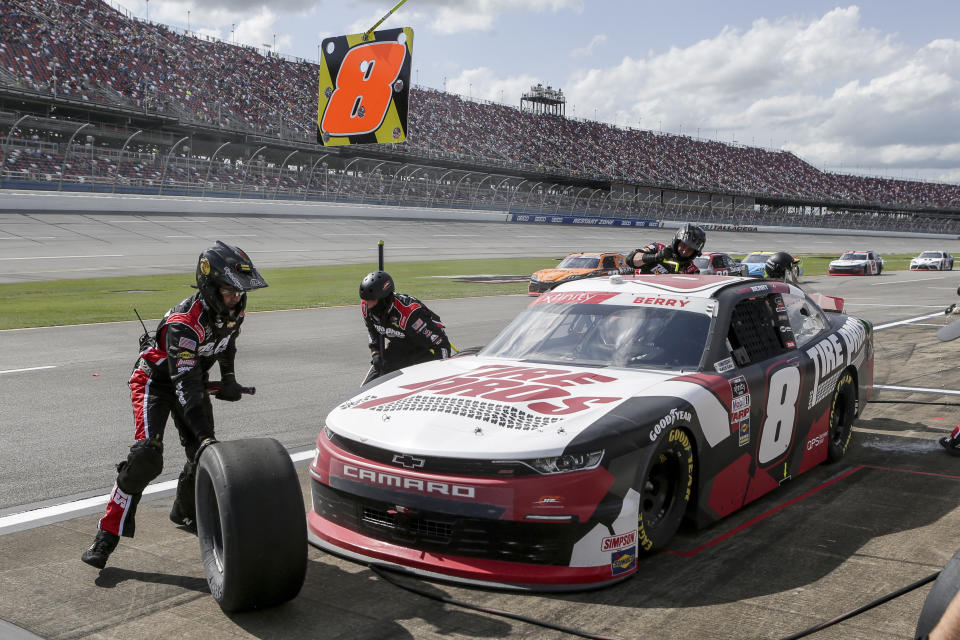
(483, 83)
(596, 41)
(829, 89)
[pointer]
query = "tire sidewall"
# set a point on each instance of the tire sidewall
(676, 444)
(844, 399)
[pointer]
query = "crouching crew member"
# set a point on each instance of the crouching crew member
(412, 333)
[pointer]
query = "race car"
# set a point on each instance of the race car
(719, 264)
(857, 263)
(576, 266)
(579, 438)
(932, 261)
(756, 264)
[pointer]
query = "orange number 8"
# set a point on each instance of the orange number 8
(364, 89)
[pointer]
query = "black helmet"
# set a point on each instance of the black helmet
(377, 286)
(692, 236)
(779, 264)
(223, 265)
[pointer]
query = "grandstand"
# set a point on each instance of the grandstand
(94, 99)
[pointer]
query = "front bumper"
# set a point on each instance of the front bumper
(860, 270)
(494, 534)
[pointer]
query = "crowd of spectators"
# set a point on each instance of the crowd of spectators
(86, 50)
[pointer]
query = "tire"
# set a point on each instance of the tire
(944, 590)
(842, 414)
(251, 524)
(665, 484)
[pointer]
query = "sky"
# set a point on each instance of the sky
(870, 88)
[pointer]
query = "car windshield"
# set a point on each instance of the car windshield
(854, 256)
(930, 254)
(579, 262)
(604, 335)
(702, 262)
(754, 258)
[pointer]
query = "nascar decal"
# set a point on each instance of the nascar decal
(832, 354)
(740, 409)
(544, 391)
(364, 87)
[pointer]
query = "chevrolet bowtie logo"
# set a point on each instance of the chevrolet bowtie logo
(408, 462)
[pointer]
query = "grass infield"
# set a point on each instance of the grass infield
(65, 302)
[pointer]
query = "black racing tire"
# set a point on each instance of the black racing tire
(665, 484)
(946, 587)
(842, 414)
(251, 524)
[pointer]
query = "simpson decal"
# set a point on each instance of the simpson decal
(615, 543)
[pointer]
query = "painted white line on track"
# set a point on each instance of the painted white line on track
(880, 304)
(908, 321)
(68, 509)
(31, 238)
(49, 366)
(880, 284)
(180, 236)
(105, 255)
(939, 392)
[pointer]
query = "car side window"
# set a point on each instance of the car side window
(806, 319)
(754, 333)
(608, 262)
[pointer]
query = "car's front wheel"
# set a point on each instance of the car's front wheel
(665, 485)
(842, 413)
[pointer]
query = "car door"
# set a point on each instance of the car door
(776, 375)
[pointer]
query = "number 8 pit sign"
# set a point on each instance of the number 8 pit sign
(364, 87)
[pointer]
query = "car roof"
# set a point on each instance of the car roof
(761, 253)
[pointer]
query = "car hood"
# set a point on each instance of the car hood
(450, 407)
(552, 275)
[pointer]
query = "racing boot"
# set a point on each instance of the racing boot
(177, 517)
(952, 442)
(103, 545)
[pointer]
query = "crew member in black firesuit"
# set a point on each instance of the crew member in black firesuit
(677, 257)
(412, 332)
(170, 376)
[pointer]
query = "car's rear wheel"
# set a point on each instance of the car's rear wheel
(664, 484)
(251, 524)
(842, 413)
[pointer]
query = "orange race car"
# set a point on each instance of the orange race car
(577, 266)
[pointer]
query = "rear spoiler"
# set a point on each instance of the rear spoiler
(828, 303)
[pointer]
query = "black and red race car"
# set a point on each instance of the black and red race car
(577, 440)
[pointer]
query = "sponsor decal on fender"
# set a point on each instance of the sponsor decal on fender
(832, 353)
(623, 561)
(816, 441)
(615, 543)
(743, 429)
(668, 420)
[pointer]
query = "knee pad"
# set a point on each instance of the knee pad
(143, 464)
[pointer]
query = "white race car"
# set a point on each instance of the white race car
(932, 261)
(856, 263)
(577, 440)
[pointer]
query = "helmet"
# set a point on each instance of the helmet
(692, 236)
(377, 286)
(223, 265)
(779, 264)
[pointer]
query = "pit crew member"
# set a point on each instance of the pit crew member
(170, 377)
(677, 257)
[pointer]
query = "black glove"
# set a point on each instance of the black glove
(666, 254)
(376, 361)
(230, 390)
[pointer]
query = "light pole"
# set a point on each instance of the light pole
(66, 154)
(166, 162)
(188, 20)
(203, 191)
(120, 161)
